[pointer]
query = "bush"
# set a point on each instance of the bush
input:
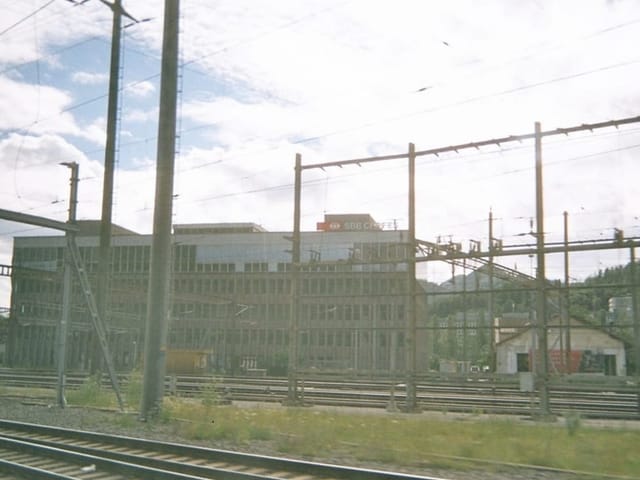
(91, 393)
(572, 422)
(132, 390)
(209, 394)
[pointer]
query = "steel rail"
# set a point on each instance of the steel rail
(184, 461)
(44, 461)
(472, 394)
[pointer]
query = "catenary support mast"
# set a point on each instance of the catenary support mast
(65, 318)
(294, 322)
(541, 315)
(102, 292)
(160, 270)
(412, 402)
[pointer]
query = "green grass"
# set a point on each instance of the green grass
(90, 393)
(413, 440)
(93, 394)
(396, 439)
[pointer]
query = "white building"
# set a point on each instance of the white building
(231, 295)
(588, 350)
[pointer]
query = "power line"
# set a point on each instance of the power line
(185, 64)
(35, 12)
(328, 134)
(53, 54)
(451, 149)
(262, 34)
(538, 49)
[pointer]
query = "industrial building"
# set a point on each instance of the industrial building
(231, 297)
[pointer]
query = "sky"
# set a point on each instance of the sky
(332, 80)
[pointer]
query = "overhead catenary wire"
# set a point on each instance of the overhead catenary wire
(183, 65)
(25, 18)
(328, 134)
(217, 161)
(294, 142)
(344, 176)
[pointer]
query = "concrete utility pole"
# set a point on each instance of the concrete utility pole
(67, 286)
(102, 291)
(465, 357)
(104, 251)
(412, 401)
(541, 314)
(492, 338)
(636, 320)
(294, 322)
(566, 311)
(158, 309)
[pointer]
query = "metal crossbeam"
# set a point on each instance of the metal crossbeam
(434, 252)
(476, 145)
(37, 221)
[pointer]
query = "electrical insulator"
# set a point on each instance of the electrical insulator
(618, 235)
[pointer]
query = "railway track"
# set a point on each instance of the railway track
(34, 452)
(621, 402)
(476, 396)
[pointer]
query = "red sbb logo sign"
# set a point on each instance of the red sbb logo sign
(346, 226)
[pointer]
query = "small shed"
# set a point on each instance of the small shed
(586, 349)
(187, 361)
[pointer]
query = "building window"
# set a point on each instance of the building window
(284, 267)
(256, 267)
(522, 361)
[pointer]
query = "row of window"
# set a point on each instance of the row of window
(30, 286)
(216, 267)
(24, 255)
(381, 312)
(360, 285)
(380, 251)
(320, 338)
(137, 258)
(357, 338)
(310, 312)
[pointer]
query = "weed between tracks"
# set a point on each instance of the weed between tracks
(394, 439)
(413, 440)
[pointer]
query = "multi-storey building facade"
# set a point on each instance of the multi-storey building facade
(231, 296)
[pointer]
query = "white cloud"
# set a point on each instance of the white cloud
(140, 89)
(28, 106)
(59, 24)
(33, 165)
(347, 77)
(89, 78)
(95, 132)
(138, 115)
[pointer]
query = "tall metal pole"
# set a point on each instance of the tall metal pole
(636, 322)
(102, 294)
(158, 309)
(67, 286)
(567, 302)
(412, 404)
(465, 357)
(541, 317)
(492, 338)
(294, 321)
